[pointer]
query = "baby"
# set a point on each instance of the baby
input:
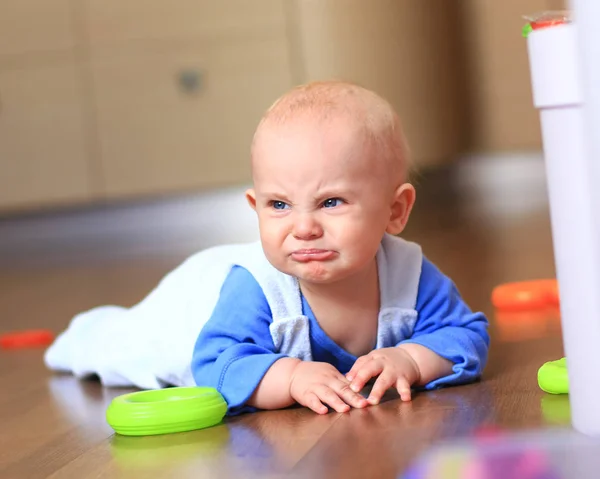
(330, 175)
(329, 299)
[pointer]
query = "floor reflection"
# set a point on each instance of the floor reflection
(556, 409)
(516, 326)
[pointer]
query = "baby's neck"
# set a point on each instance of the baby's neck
(348, 310)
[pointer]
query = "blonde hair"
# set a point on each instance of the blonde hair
(326, 99)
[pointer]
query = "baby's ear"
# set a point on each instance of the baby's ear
(402, 204)
(251, 198)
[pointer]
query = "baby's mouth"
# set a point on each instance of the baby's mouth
(312, 254)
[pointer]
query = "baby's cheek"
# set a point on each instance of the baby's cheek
(366, 245)
(269, 234)
(275, 254)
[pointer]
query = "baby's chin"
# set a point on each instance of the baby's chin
(315, 272)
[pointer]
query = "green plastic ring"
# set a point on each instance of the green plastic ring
(553, 378)
(166, 411)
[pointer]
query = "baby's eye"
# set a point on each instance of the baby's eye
(279, 205)
(332, 202)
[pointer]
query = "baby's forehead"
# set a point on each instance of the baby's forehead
(309, 136)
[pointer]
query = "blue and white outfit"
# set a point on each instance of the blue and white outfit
(225, 315)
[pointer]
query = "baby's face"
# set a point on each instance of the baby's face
(323, 203)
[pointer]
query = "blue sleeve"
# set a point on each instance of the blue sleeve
(234, 349)
(447, 326)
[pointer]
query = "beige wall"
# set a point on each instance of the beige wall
(501, 116)
(406, 50)
(110, 99)
(457, 71)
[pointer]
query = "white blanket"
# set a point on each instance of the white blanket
(149, 345)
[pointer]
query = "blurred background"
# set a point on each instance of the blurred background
(125, 125)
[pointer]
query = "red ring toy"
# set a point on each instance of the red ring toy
(29, 338)
(526, 295)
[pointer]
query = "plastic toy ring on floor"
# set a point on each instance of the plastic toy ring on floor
(526, 295)
(165, 411)
(28, 338)
(552, 377)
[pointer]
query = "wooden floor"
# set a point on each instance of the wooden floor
(54, 426)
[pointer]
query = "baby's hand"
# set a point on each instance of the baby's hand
(395, 368)
(314, 384)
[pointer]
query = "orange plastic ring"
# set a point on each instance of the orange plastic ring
(526, 295)
(29, 338)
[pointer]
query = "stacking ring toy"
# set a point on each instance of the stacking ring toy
(165, 411)
(552, 377)
(526, 295)
(29, 338)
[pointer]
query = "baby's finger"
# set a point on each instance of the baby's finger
(329, 396)
(312, 402)
(370, 369)
(356, 367)
(403, 388)
(349, 396)
(385, 381)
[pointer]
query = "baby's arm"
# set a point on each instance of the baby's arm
(446, 329)
(430, 365)
(235, 354)
(310, 383)
(273, 392)
(234, 349)
(449, 344)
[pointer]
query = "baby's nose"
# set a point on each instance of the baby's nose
(307, 227)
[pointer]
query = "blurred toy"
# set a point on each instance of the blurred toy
(531, 296)
(526, 295)
(29, 338)
(553, 378)
(488, 461)
(545, 20)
